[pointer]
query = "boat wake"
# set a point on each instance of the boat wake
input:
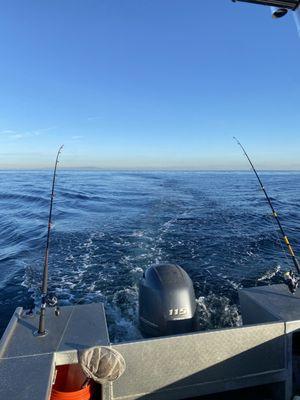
(115, 225)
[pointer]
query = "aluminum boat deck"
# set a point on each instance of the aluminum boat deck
(264, 351)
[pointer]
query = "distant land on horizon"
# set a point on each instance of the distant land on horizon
(96, 169)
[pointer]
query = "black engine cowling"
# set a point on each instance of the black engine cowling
(167, 302)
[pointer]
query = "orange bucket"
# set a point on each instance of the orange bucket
(68, 384)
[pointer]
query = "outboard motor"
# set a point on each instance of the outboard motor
(167, 303)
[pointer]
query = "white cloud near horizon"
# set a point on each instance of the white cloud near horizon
(17, 135)
(7, 132)
(76, 137)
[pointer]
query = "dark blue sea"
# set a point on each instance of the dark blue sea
(110, 226)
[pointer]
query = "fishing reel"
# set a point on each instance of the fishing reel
(51, 302)
(291, 281)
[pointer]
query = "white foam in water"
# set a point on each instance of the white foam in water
(216, 312)
(231, 282)
(137, 272)
(138, 234)
(122, 312)
(73, 285)
(270, 274)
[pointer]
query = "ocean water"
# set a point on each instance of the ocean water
(110, 226)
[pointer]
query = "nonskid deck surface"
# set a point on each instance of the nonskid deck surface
(165, 368)
(277, 300)
(76, 327)
(27, 362)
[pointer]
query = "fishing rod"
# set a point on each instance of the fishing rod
(292, 281)
(42, 331)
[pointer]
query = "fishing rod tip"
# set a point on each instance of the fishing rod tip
(238, 142)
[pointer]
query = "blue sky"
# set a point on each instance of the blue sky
(147, 84)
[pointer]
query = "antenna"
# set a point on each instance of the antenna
(42, 331)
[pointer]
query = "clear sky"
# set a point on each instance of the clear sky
(147, 84)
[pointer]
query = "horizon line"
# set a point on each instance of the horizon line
(143, 169)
